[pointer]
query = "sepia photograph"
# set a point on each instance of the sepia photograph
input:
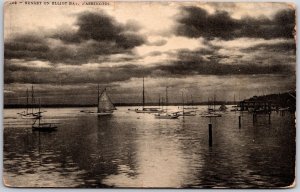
(106, 94)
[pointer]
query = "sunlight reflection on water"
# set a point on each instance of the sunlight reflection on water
(137, 150)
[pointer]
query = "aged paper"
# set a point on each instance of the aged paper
(102, 94)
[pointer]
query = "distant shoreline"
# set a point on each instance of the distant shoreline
(14, 106)
(282, 99)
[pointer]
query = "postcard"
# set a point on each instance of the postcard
(107, 94)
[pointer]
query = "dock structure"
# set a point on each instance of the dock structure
(267, 103)
(256, 105)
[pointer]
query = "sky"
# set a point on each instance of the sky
(230, 50)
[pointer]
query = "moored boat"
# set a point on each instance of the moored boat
(166, 115)
(192, 105)
(183, 112)
(147, 109)
(187, 113)
(104, 105)
(26, 114)
(38, 126)
(223, 107)
(210, 115)
(47, 127)
(29, 115)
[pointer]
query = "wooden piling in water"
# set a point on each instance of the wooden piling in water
(269, 118)
(254, 118)
(240, 122)
(210, 134)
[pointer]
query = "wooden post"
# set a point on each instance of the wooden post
(182, 105)
(254, 118)
(240, 122)
(210, 134)
(269, 118)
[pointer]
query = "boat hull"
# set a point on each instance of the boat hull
(140, 111)
(30, 116)
(166, 116)
(99, 114)
(149, 110)
(190, 113)
(103, 114)
(211, 115)
(44, 127)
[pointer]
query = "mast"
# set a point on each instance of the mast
(166, 98)
(209, 103)
(39, 111)
(98, 99)
(32, 99)
(159, 100)
(234, 99)
(143, 93)
(27, 95)
(182, 104)
(162, 103)
(214, 102)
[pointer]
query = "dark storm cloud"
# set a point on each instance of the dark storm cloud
(103, 28)
(98, 34)
(28, 46)
(87, 51)
(66, 35)
(207, 62)
(155, 53)
(201, 67)
(20, 74)
(93, 43)
(39, 49)
(11, 67)
(197, 22)
(281, 47)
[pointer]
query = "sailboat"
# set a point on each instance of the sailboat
(38, 126)
(187, 113)
(234, 107)
(147, 109)
(192, 106)
(223, 107)
(166, 115)
(211, 110)
(184, 112)
(104, 104)
(26, 114)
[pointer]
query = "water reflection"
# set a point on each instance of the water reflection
(159, 157)
(137, 150)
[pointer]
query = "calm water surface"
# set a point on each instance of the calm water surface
(137, 150)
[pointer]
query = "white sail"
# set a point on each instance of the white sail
(104, 104)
